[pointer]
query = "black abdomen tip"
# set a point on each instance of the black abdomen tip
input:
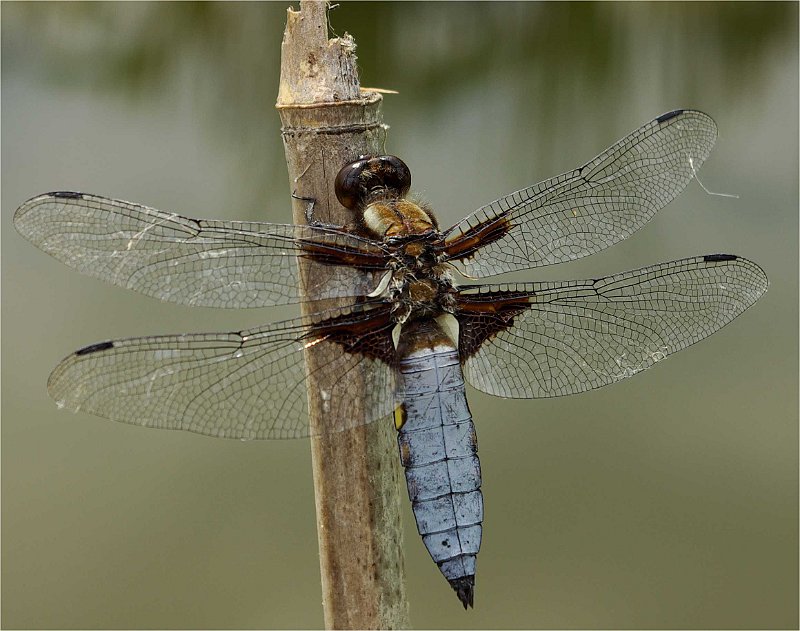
(93, 348)
(669, 115)
(465, 589)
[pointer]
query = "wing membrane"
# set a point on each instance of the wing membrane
(589, 209)
(228, 264)
(574, 336)
(247, 385)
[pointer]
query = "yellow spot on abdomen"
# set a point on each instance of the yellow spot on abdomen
(400, 416)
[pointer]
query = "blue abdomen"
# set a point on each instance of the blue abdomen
(438, 448)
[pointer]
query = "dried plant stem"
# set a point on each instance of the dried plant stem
(326, 122)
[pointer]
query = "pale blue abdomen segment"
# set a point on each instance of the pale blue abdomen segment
(438, 448)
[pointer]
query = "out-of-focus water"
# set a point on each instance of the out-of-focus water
(668, 501)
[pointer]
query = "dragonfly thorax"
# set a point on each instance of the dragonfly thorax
(416, 296)
(387, 218)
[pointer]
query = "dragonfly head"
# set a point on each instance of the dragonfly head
(372, 177)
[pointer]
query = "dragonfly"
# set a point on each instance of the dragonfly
(399, 330)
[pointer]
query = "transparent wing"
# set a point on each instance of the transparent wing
(589, 209)
(227, 264)
(557, 338)
(247, 385)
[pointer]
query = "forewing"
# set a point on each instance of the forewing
(589, 209)
(230, 264)
(247, 385)
(557, 338)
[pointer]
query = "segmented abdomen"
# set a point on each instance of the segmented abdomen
(438, 448)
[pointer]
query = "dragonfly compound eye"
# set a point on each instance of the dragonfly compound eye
(363, 178)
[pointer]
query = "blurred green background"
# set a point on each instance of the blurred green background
(666, 501)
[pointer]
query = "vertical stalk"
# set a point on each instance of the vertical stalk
(327, 122)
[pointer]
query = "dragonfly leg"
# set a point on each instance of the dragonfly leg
(309, 213)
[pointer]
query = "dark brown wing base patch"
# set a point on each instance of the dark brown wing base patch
(468, 242)
(328, 255)
(368, 333)
(483, 315)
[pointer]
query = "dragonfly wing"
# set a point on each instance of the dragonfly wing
(557, 338)
(247, 385)
(589, 209)
(228, 264)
